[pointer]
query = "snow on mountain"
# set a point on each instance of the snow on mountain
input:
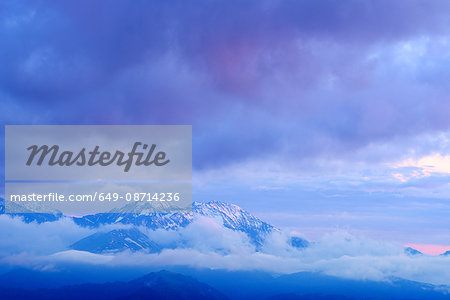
(30, 216)
(229, 215)
(235, 218)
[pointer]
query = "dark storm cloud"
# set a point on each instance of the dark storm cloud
(255, 78)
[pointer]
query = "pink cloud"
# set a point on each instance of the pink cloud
(430, 249)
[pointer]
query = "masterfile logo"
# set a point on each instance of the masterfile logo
(91, 169)
(91, 158)
(98, 152)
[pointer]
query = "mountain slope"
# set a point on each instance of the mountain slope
(115, 241)
(31, 217)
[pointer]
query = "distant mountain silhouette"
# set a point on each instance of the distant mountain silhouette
(211, 284)
(161, 285)
(412, 251)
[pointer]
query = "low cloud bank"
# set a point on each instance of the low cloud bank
(207, 244)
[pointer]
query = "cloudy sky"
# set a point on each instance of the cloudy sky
(313, 115)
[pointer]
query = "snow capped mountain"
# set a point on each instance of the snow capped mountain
(229, 215)
(446, 253)
(225, 214)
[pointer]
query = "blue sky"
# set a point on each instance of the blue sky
(315, 115)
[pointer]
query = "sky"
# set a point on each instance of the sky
(313, 115)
